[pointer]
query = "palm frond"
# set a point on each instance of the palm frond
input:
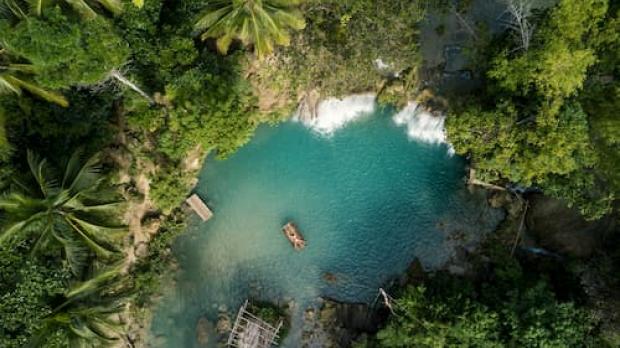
(88, 175)
(81, 7)
(93, 244)
(20, 227)
(104, 208)
(6, 87)
(211, 18)
(114, 6)
(39, 170)
(12, 9)
(50, 96)
(76, 254)
(36, 6)
(25, 68)
(107, 233)
(95, 283)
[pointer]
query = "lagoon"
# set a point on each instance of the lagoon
(370, 188)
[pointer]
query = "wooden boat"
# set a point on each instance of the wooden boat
(293, 235)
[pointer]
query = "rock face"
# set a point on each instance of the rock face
(308, 106)
(561, 229)
(354, 316)
(340, 324)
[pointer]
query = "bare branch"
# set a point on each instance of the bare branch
(519, 12)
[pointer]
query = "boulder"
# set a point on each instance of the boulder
(308, 105)
(224, 324)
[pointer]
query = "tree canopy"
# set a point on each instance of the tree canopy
(529, 127)
(62, 52)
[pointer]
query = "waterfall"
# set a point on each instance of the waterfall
(334, 113)
(422, 125)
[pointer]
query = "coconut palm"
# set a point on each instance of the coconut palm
(70, 210)
(89, 314)
(261, 23)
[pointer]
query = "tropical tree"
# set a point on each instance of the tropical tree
(71, 210)
(89, 315)
(261, 23)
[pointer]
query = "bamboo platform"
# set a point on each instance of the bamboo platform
(293, 235)
(199, 207)
(250, 331)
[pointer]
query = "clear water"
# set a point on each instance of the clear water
(367, 198)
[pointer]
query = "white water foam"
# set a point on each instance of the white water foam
(334, 113)
(422, 125)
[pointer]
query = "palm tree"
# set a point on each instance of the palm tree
(69, 210)
(89, 314)
(13, 80)
(258, 22)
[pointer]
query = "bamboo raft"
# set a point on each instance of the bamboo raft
(291, 232)
(199, 207)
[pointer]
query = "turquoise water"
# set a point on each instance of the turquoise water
(367, 198)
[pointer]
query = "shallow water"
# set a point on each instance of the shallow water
(368, 199)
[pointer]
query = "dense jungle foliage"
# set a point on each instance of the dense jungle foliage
(511, 304)
(107, 108)
(531, 125)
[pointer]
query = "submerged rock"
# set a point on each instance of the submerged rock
(224, 324)
(414, 274)
(203, 328)
(330, 277)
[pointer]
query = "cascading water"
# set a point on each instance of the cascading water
(333, 114)
(367, 198)
(422, 125)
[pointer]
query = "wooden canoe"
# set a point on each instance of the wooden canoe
(291, 232)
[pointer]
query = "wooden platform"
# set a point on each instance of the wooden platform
(250, 331)
(291, 232)
(199, 207)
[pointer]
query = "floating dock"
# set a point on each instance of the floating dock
(293, 235)
(196, 203)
